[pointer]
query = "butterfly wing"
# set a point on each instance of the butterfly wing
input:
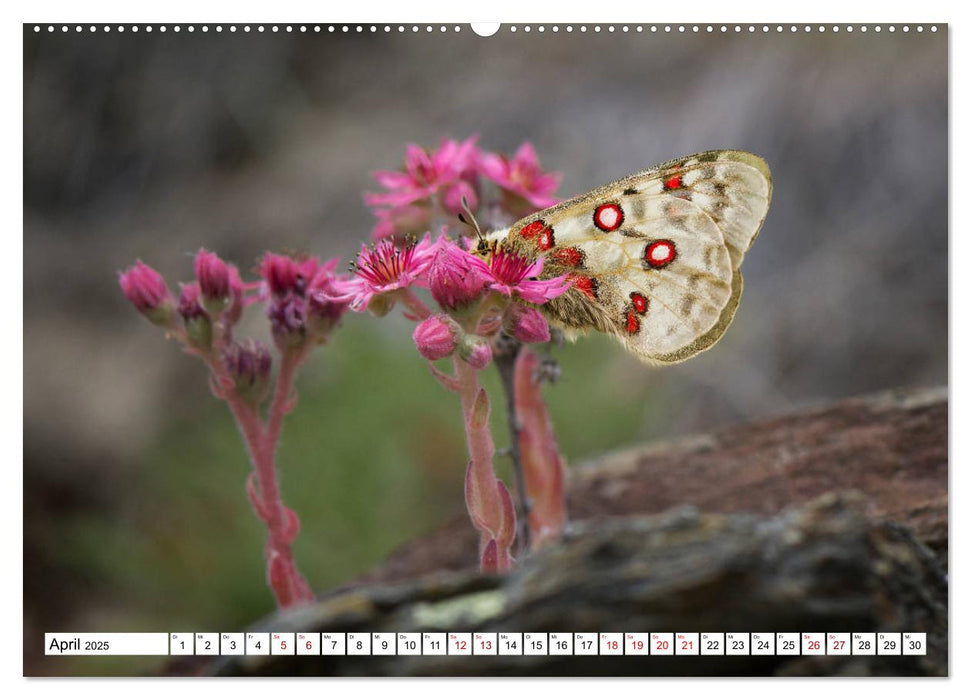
(655, 256)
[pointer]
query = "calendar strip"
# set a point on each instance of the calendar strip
(487, 644)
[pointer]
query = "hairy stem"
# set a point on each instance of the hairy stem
(543, 465)
(288, 585)
(488, 502)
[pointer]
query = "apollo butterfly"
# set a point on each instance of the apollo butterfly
(654, 257)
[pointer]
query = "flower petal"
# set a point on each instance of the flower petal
(541, 291)
(392, 179)
(494, 167)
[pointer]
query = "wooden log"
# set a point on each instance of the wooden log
(821, 567)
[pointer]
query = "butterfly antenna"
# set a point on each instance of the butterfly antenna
(468, 218)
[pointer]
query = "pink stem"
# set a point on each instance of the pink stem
(543, 466)
(288, 585)
(489, 505)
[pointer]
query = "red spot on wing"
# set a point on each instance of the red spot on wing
(639, 302)
(673, 183)
(660, 253)
(633, 323)
(541, 232)
(532, 230)
(608, 217)
(587, 285)
(545, 239)
(570, 257)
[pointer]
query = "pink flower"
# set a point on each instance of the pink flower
(511, 274)
(435, 337)
(454, 277)
(521, 176)
(213, 277)
(529, 325)
(146, 290)
(384, 267)
(425, 173)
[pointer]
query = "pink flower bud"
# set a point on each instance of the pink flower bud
(435, 337)
(213, 277)
(235, 312)
(284, 275)
(249, 366)
(288, 321)
(476, 351)
(198, 327)
(146, 290)
(454, 278)
(279, 272)
(530, 326)
(189, 306)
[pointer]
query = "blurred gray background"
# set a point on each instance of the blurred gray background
(151, 145)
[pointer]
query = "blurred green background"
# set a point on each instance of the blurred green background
(150, 146)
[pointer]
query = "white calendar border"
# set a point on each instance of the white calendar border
(381, 10)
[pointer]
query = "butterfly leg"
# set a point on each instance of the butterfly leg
(506, 351)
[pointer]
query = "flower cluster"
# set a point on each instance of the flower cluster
(481, 299)
(301, 296)
(303, 307)
(440, 185)
(477, 297)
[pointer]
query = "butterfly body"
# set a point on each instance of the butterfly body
(654, 257)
